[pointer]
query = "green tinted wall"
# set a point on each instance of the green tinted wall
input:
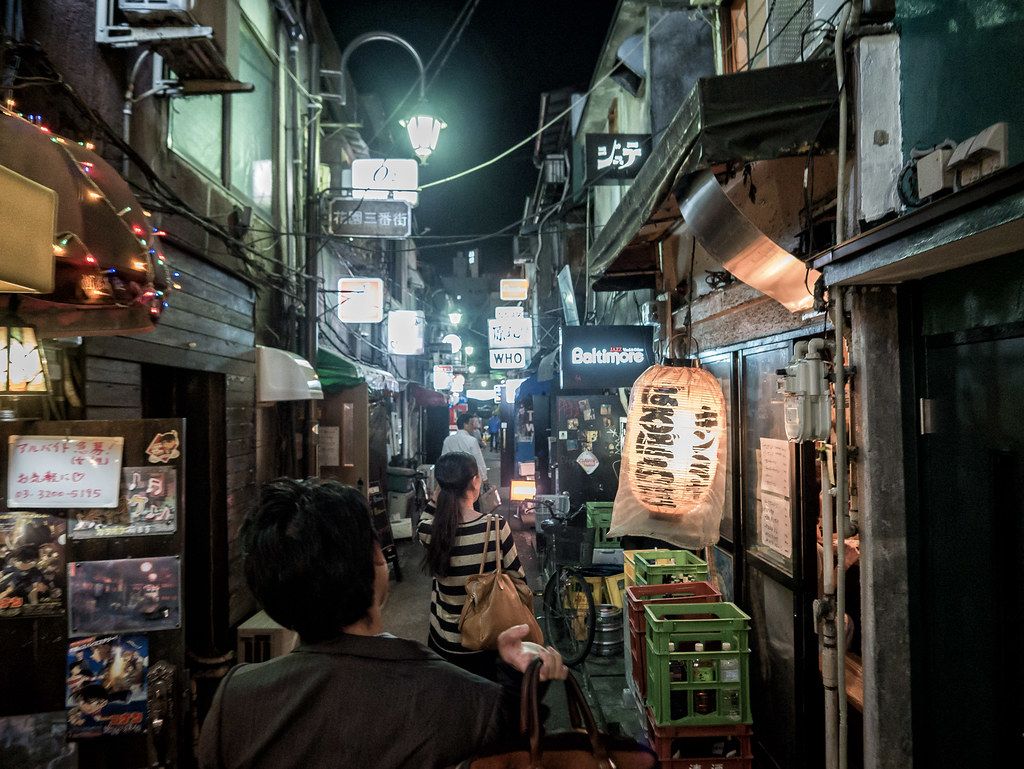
(962, 69)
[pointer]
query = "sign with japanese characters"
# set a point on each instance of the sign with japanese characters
(612, 158)
(370, 218)
(510, 332)
(63, 471)
(360, 300)
(513, 289)
(504, 313)
(386, 179)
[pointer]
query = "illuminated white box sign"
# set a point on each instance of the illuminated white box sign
(479, 394)
(513, 289)
(443, 377)
(505, 313)
(516, 357)
(360, 300)
(405, 332)
(383, 178)
(458, 383)
(510, 333)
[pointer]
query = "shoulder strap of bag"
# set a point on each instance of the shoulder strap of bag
(487, 541)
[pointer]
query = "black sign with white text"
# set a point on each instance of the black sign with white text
(360, 218)
(612, 158)
(599, 357)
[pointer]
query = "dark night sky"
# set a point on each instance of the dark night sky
(489, 94)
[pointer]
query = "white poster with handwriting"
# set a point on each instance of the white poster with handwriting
(776, 524)
(63, 471)
(775, 477)
(330, 446)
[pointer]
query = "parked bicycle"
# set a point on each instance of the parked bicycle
(569, 615)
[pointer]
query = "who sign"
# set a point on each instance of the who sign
(517, 357)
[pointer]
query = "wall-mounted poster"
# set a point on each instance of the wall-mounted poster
(32, 579)
(149, 505)
(106, 686)
(63, 471)
(135, 594)
(38, 741)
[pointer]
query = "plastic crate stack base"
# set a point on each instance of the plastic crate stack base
(637, 597)
(666, 741)
(722, 694)
(599, 518)
(661, 567)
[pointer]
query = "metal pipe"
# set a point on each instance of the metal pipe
(374, 37)
(128, 107)
(312, 225)
(840, 56)
(827, 623)
(842, 502)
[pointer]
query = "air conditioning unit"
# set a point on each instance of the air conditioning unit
(151, 11)
(261, 639)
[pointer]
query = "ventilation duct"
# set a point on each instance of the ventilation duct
(746, 252)
(629, 71)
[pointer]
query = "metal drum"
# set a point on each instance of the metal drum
(608, 631)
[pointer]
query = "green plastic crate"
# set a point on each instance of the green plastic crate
(683, 566)
(705, 696)
(599, 518)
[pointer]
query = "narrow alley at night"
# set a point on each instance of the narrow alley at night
(476, 384)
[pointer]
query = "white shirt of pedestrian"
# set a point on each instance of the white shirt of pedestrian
(466, 443)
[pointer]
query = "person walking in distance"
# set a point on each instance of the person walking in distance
(464, 441)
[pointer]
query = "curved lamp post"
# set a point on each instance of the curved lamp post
(424, 129)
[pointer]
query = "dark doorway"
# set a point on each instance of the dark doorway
(968, 596)
(198, 397)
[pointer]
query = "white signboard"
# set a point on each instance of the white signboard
(480, 394)
(513, 289)
(61, 471)
(514, 357)
(383, 178)
(588, 461)
(505, 313)
(443, 377)
(330, 446)
(513, 332)
(775, 467)
(360, 300)
(405, 332)
(776, 527)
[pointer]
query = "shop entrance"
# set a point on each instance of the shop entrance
(198, 397)
(967, 572)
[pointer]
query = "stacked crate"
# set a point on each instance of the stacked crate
(599, 518)
(698, 684)
(661, 567)
(637, 597)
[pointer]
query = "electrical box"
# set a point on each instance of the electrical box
(150, 11)
(979, 156)
(933, 173)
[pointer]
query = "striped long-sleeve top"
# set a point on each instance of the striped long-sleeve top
(448, 594)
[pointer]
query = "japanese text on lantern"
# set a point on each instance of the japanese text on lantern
(58, 471)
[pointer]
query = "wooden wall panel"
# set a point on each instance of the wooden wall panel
(208, 326)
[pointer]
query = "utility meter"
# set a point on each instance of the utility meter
(804, 385)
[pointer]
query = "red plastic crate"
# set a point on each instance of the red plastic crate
(639, 595)
(664, 738)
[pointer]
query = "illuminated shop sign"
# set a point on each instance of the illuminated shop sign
(614, 158)
(516, 357)
(599, 357)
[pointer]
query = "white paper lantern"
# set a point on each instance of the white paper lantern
(674, 429)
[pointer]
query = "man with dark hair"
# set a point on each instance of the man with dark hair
(349, 695)
(463, 440)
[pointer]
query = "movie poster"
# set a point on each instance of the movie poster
(149, 505)
(38, 741)
(32, 576)
(135, 594)
(106, 686)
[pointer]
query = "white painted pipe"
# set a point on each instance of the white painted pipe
(842, 503)
(828, 626)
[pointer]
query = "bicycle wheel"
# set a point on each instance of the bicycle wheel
(569, 615)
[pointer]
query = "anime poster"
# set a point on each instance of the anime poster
(149, 505)
(136, 594)
(38, 741)
(106, 686)
(32, 576)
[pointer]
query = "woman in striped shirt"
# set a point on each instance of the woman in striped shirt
(453, 534)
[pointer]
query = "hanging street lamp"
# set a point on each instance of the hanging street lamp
(423, 127)
(455, 317)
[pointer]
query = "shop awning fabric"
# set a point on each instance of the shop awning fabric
(336, 372)
(757, 115)
(426, 397)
